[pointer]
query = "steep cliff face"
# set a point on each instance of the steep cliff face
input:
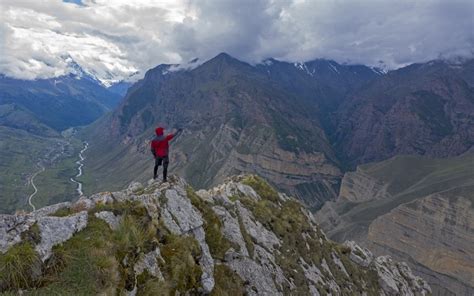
(240, 238)
(419, 210)
(437, 232)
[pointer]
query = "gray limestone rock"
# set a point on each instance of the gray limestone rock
(231, 228)
(149, 262)
(256, 230)
(56, 230)
(48, 210)
(109, 217)
(11, 227)
(358, 254)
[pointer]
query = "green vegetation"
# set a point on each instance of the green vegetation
(32, 235)
(180, 253)
(261, 187)
(84, 265)
(228, 283)
(410, 178)
(54, 184)
(17, 267)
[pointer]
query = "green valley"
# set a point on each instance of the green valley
(23, 155)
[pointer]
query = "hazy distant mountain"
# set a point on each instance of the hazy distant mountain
(425, 109)
(14, 116)
(60, 102)
(120, 88)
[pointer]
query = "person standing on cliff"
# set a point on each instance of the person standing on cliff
(159, 147)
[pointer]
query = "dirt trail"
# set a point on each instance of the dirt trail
(32, 182)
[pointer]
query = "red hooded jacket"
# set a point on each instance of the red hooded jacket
(159, 145)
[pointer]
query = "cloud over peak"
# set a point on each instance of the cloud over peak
(113, 39)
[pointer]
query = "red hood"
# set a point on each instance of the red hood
(159, 131)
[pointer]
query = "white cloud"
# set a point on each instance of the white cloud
(115, 38)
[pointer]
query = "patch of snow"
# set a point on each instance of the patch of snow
(379, 71)
(304, 68)
(334, 68)
(267, 62)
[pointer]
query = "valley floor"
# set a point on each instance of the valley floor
(35, 171)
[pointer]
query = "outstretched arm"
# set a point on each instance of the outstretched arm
(172, 136)
(180, 130)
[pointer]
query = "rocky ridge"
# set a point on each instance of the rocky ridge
(241, 237)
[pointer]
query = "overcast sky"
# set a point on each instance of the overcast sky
(115, 38)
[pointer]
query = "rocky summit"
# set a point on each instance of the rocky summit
(239, 238)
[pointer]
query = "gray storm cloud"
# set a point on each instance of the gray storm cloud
(113, 39)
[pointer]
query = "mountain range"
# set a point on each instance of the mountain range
(58, 103)
(300, 125)
(360, 147)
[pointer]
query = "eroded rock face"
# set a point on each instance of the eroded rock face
(443, 239)
(360, 187)
(265, 242)
(55, 230)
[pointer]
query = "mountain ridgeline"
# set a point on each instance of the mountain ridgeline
(299, 125)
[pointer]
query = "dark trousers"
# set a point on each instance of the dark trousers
(158, 161)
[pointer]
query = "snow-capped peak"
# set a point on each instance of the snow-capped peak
(304, 68)
(379, 71)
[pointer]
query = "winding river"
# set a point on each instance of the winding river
(80, 164)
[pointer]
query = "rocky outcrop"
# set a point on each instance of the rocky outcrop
(52, 230)
(239, 236)
(109, 218)
(395, 278)
(56, 230)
